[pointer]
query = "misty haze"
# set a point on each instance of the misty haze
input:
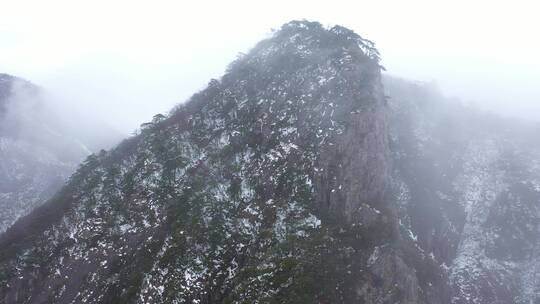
(282, 152)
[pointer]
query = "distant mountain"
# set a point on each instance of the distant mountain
(295, 178)
(469, 186)
(38, 150)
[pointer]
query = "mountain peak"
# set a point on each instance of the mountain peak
(272, 179)
(310, 41)
(322, 83)
(314, 34)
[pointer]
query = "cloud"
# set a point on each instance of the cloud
(127, 60)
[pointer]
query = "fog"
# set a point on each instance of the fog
(39, 119)
(123, 61)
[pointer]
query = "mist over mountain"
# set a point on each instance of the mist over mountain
(301, 176)
(468, 186)
(39, 147)
(137, 62)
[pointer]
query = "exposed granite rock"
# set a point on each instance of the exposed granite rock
(355, 177)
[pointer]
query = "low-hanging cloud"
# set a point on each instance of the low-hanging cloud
(124, 61)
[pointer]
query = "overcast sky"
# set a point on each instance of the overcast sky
(127, 60)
